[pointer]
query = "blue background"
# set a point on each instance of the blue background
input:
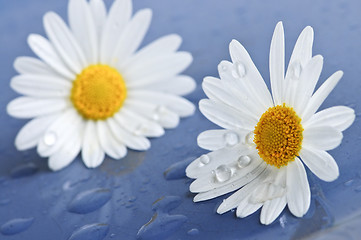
(115, 200)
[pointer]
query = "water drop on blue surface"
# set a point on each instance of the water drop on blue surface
(193, 232)
(24, 170)
(16, 226)
(348, 183)
(90, 200)
(96, 231)
(162, 224)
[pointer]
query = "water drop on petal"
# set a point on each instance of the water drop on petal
(239, 71)
(296, 70)
(204, 160)
(244, 161)
(50, 138)
(248, 140)
(223, 173)
(231, 138)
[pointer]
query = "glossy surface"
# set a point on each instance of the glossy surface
(116, 200)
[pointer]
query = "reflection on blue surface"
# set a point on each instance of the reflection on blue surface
(30, 191)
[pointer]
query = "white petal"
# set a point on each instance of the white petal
(44, 49)
(137, 124)
(131, 37)
(209, 181)
(225, 156)
(27, 107)
(30, 65)
(41, 86)
(338, 117)
(162, 46)
(320, 95)
(178, 85)
(226, 117)
(130, 140)
(322, 137)
(272, 209)
(30, 134)
(307, 82)
(320, 163)
(67, 153)
(156, 69)
(92, 153)
(64, 42)
(217, 91)
(109, 143)
(231, 186)
(235, 199)
(220, 138)
(119, 15)
(277, 63)
(84, 29)
(99, 12)
(252, 76)
(60, 131)
(165, 117)
(298, 190)
(179, 105)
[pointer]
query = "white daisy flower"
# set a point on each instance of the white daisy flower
(92, 91)
(266, 138)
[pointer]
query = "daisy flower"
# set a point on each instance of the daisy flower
(268, 138)
(92, 91)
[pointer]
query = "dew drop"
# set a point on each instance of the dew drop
(204, 159)
(240, 70)
(223, 173)
(140, 130)
(244, 161)
(159, 112)
(224, 68)
(296, 70)
(248, 140)
(231, 139)
(50, 138)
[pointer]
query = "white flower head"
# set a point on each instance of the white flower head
(92, 91)
(267, 138)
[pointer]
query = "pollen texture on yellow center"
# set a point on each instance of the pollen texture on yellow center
(278, 135)
(98, 92)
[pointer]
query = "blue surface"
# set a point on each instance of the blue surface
(115, 200)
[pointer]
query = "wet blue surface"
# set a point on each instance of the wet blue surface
(43, 201)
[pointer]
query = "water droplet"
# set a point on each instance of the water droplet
(223, 173)
(140, 130)
(358, 189)
(248, 140)
(159, 112)
(50, 138)
(204, 160)
(24, 170)
(296, 70)
(348, 183)
(96, 231)
(15, 226)
(224, 68)
(89, 201)
(231, 139)
(244, 161)
(193, 232)
(239, 71)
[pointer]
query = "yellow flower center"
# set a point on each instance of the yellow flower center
(98, 92)
(278, 135)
